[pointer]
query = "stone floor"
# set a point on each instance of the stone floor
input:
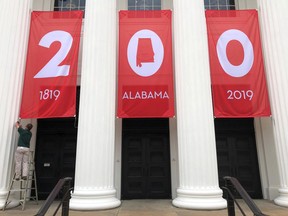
(148, 208)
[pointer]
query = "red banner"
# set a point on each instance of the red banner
(236, 64)
(51, 67)
(145, 75)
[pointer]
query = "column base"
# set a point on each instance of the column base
(200, 199)
(94, 200)
(12, 201)
(282, 200)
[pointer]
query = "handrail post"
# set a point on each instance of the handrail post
(230, 201)
(67, 196)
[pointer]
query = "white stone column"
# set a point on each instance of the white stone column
(94, 178)
(198, 176)
(273, 22)
(14, 22)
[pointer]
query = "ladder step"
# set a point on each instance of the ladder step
(28, 198)
(31, 188)
(16, 190)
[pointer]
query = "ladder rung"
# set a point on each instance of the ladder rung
(29, 188)
(22, 200)
(16, 190)
(19, 180)
(27, 199)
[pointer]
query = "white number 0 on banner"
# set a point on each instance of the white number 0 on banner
(235, 70)
(52, 68)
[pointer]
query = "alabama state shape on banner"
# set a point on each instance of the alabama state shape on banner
(51, 67)
(236, 64)
(145, 76)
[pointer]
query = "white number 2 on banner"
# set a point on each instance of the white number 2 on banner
(52, 68)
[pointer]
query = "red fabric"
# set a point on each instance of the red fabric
(145, 75)
(51, 68)
(236, 64)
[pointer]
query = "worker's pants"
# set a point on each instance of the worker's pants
(21, 161)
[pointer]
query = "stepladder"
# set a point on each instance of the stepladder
(23, 188)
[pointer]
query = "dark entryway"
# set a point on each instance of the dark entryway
(55, 153)
(145, 159)
(237, 153)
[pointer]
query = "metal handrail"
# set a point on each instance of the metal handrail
(232, 183)
(64, 183)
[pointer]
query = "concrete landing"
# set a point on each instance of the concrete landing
(149, 208)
